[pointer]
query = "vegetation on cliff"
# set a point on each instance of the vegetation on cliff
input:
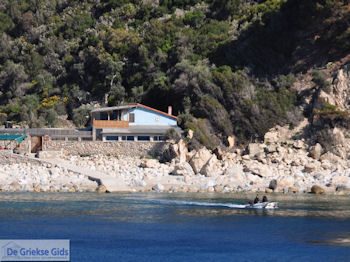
(226, 66)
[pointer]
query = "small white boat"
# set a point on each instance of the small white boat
(264, 205)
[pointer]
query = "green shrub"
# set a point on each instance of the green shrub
(82, 115)
(320, 79)
(171, 134)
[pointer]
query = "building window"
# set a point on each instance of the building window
(103, 116)
(130, 138)
(143, 138)
(114, 115)
(57, 138)
(161, 138)
(124, 138)
(113, 138)
(131, 117)
(155, 138)
(86, 139)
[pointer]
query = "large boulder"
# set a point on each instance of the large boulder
(219, 153)
(273, 184)
(317, 190)
(210, 168)
(138, 183)
(229, 156)
(342, 190)
(182, 169)
(271, 148)
(316, 151)
(15, 186)
(199, 159)
(181, 150)
(101, 189)
(231, 142)
(178, 150)
(158, 188)
(271, 136)
(285, 182)
(149, 163)
(332, 158)
(254, 149)
(259, 169)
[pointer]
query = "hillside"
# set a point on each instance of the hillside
(229, 67)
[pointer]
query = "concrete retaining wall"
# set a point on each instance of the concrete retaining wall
(132, 149)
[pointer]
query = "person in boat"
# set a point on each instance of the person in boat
(256, 200)
(264, 199)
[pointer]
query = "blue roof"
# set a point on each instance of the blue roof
(18, 138)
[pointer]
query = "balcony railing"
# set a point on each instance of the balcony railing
(110, 124)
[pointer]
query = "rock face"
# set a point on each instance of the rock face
(339, 94)
(317, 190)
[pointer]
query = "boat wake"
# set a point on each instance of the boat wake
(195, 203)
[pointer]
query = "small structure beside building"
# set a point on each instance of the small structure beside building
(132, 122)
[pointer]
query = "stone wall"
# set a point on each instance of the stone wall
(11, 145)
(83, 148)
(8, 144)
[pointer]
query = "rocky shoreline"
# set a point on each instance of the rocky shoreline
(21, 174)
(266, 167)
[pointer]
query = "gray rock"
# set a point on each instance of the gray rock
(138, 183)
(342, 189)
(273, 184)
(158, 188)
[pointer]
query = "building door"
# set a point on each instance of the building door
(36, 142)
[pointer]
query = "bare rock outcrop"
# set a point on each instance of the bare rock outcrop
(210, 168)
(176, 150)
(199, 159)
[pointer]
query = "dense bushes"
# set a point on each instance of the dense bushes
(223, 63)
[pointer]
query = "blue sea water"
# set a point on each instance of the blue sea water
(181, 227)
